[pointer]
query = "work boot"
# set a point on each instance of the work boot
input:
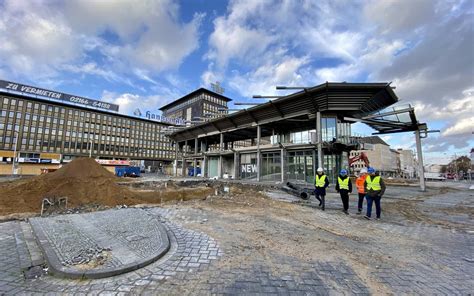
(367, 217)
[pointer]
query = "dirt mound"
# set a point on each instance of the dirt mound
(83, 181)
(81, 168)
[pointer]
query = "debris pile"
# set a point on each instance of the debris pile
(94, 256)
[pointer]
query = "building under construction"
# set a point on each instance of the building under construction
(290, 136)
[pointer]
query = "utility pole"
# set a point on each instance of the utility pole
(456, 166)
(421, 169)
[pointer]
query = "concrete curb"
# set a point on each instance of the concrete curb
(58, 269)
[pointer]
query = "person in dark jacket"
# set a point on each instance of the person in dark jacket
(374, 189)
(344, 187)
(321, 182)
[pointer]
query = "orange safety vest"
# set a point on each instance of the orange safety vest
(360, 184)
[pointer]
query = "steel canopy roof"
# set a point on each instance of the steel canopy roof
(346, 99)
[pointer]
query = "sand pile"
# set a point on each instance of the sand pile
(83, 181)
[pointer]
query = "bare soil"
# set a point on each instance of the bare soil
(83, 181)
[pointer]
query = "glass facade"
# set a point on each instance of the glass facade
(332, 166)
(300, 166)
(213, 164)
(328, 129)
(271, 166)
(344, 132)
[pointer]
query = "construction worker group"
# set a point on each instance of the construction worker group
(370, 186)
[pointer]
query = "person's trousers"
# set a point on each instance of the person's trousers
(376, 200)
(320, 197)
(360, 205)
(345, 199)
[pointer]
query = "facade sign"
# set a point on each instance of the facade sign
(56, 95)
(249, 168)
(160, 118)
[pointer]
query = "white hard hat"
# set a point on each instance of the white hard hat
(363, 171)
(319, 170)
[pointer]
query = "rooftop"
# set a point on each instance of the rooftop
(373, 140)
(297, 111)
(192, 94)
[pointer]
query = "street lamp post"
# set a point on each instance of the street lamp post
(14, 152)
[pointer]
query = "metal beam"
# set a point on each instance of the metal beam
(375, 122)
(388, 113)
(243, 104)
(266, 97)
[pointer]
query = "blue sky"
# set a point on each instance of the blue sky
(148, 53)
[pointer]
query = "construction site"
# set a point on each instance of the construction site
(73, 230)
(228, 203)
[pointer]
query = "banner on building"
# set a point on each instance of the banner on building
(31, 90)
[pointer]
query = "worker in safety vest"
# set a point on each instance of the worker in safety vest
(361, 189)
(374, 189)
(344, 187)
(320, 183)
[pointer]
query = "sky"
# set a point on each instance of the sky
(148, 53)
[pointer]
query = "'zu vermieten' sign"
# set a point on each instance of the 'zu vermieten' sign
(56, 95)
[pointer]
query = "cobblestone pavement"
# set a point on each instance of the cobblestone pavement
(100, 244)
(273, 248)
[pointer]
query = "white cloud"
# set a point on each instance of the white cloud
(234, 41)
(129, 102)
(92, 68)
(462, 127)
(34, 39)
(264, 35)
(401, 15)
(263, 80)
(425, 47)
(40, 39)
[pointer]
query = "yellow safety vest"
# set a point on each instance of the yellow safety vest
(343, 184)
(320, 181)
(373, 184)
